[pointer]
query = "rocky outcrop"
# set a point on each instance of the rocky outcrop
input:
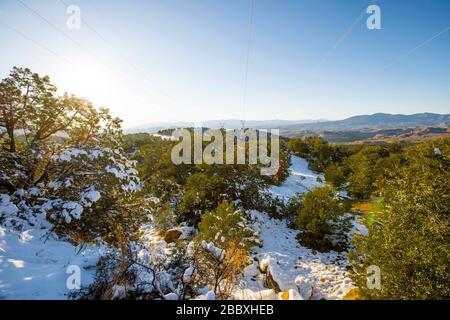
(179, 233)
(172, 235)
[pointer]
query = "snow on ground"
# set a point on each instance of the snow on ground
(164, 137)
(34, 264)
(33, 267)
(301, 179)
(314, 275)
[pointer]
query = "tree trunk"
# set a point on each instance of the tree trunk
(12, 142)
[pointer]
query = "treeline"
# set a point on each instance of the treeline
(408, 236)
(194, 189)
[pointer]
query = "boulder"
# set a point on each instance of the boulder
(305, 288)
(263, 264)
(172, 235)
(171, 296)
(267, 294)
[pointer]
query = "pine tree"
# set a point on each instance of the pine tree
(64, 160)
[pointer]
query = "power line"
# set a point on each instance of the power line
(62, 58)
(53, 26)
(415, 48)
(342, 37)
(249, 40)
(49, 23)
(60, 31)
(37, 43)
(120, 54)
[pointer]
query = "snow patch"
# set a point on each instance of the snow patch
(300, 180)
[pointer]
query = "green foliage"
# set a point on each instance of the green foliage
(319, 152)
(135, 141)
(64, 159)
(300, 147)
(212, 184)
(285, 162)
(361, 168)
(161, 177)
(409, 241)
(194, 189)
(370, 166)
(226, 225)
(201, 192)
(320, 218)
(165, 217)
(292, 208)
(313, 148)
(222, 250)
(335, 175)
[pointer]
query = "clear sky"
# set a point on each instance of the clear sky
(185, 60)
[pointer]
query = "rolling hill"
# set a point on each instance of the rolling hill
(376, 121)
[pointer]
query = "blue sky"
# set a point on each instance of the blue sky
(185, 60)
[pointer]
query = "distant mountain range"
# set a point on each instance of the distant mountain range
(215, 124)
(376, 121)
(361, 122)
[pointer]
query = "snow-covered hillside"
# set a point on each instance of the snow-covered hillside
(313, 275)
(34, 265)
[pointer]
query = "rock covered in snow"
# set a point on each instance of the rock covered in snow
(305, 288)
(249, 294)
(290, 266)
(188, 274)
(212, 248)
(263, 264)
(119, 292)
(181, 233)
(210, 295)
(171, 296)
(7, 208)
(290, 295)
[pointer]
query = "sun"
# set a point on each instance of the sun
(90, 80)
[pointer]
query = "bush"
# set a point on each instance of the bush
(370, 168)
(334, 175)
(226, 225)
(292, 208)
(222, 250)
(212, 184)
(165, 217)
(201, 193)
(409, 241)
(321, 219)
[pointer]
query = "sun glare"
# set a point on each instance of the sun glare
(90, 80)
